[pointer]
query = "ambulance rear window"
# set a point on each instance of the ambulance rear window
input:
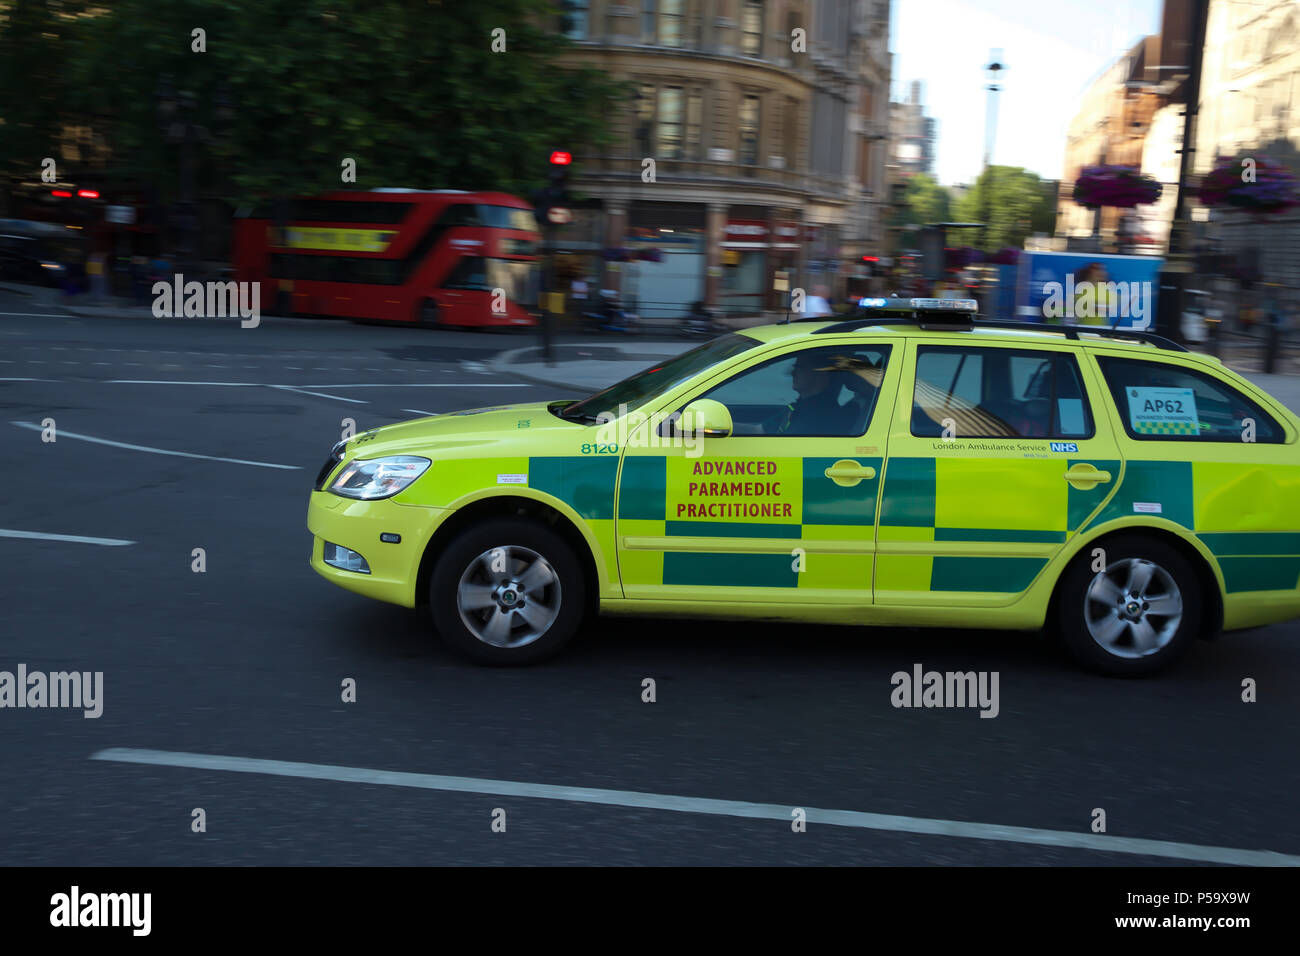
(1158, 401)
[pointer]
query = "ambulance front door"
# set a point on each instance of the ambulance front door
(783, 509)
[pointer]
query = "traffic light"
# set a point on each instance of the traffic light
(556, 192)
(560, 161)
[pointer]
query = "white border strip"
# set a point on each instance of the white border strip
(730, 808)
(79, 539)
(61, 433)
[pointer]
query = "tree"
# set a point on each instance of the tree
(413, 92)
(1014, 203)
(924, 201)
(35, 47)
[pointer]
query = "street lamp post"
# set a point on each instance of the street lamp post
(1173, 277)
(992, 71)
(175, 121)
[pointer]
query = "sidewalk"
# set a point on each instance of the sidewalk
(110, 307)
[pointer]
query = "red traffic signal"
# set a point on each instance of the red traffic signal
(560, 158)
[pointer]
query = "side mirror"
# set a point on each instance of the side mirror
(706, 418)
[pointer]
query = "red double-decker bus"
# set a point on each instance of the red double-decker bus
(441, 257)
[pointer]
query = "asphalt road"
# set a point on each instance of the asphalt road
(246, 660)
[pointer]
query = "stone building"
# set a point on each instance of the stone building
(1250, 95)
(752, 150)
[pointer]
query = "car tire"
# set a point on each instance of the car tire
(508, 592)
(1134, 618)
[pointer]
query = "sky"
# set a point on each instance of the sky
(1051, 49)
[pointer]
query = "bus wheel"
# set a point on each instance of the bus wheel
(427, 315)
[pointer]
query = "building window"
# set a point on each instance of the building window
(573, 18)
(643, 118)
(751, 28)
(749, 118)
(669, 145)
(791, 131)
(648, 19)
(672, 23)
(695, 126)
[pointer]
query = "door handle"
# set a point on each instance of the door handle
(846, 473)
(1085, 477)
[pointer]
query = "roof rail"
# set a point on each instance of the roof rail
(866, 320)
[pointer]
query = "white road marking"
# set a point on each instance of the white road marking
(1098, 842)
(419, 411)
(145, 381)
(26, 379)
(43, 315)
(79, 539)
(157, 451)
(423, 385)
(337, 398)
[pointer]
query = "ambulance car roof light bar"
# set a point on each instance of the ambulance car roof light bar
(926, 319)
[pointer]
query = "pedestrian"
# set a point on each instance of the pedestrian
(578, 296)
(96, 269)
(817, 303)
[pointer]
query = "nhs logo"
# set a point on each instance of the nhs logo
(1065, 446)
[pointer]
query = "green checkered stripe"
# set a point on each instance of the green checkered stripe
(642, 497)
(1166, 428)
(1249, 560)
(907, 513)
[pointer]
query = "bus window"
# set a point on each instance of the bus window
(471, 273)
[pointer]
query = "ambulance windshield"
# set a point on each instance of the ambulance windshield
(631, 393)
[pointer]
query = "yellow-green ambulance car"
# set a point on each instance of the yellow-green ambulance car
(907, 466)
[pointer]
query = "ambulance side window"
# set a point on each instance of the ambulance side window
(992, 392)
(827, 392)
(1159, 401)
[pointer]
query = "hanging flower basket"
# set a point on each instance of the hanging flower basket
(617, 254)
(1006, 256)
(651, 255)
(1121, 186)
(1253, 183)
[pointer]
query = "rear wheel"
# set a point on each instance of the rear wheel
(506, 592)
(1135, 617)
(428, 314)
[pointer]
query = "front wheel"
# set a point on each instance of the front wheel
(509, 591)
(1135, 617)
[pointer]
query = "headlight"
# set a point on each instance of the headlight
(378, 477)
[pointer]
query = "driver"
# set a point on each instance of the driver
(817, 410)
